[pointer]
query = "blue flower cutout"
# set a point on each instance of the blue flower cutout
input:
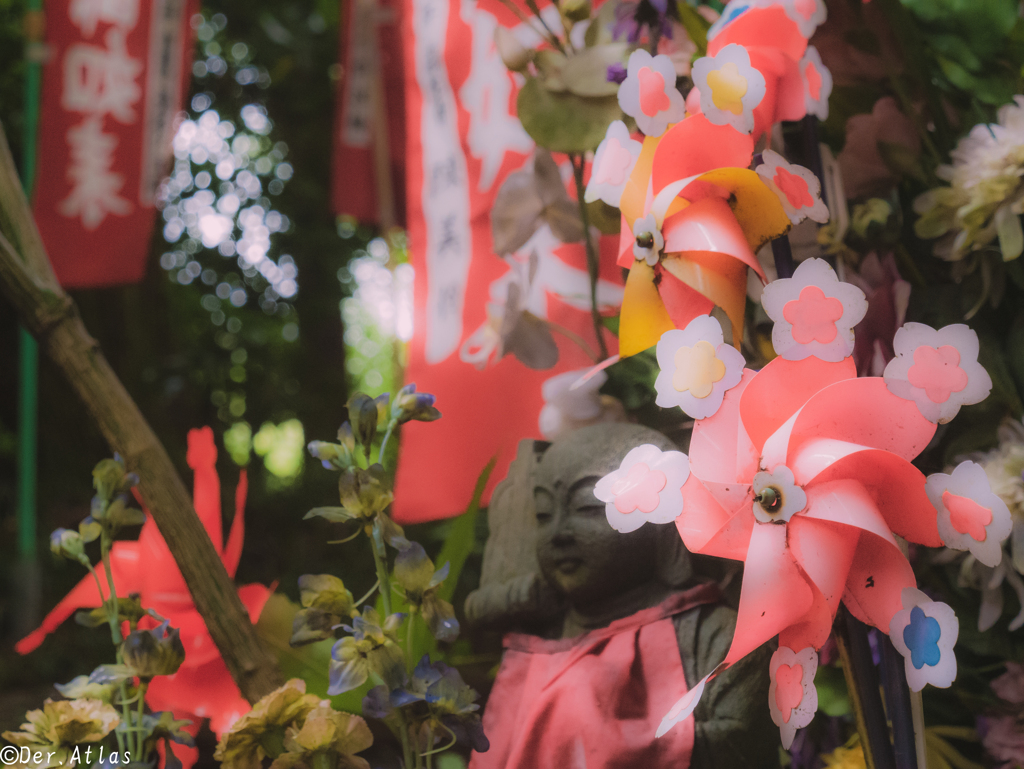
(922, 638)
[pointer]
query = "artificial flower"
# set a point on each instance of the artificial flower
(613, 163)
(799, 190)
(817, 83)
(649, 94)
(697, 367)
(924, 632)
(730, 87)
(419, 583)
(808, 14)
(325, 603)
(530, 198)
(814, 313)
(59, 727)
(985, 196)
(792, 696)
(570, 403)
(372, 647)
(202, 687)
(647, 240)
(937, 370)
(888, 296)
(1003, 740)
(156, 652)
(244, 744)
(646, 488)
(970, 516)
(777, 497)
(328, 733)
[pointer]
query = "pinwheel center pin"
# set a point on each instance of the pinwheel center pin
(645, 240)
(770, 499)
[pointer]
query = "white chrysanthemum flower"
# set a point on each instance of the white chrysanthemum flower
(983, 201)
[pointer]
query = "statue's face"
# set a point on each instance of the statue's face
(578, 551)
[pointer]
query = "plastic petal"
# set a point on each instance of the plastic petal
(682, 302)
(924, 632)
(797, 188)
(792, 696)
(863, 412)
(697, 368)
(614, 161)
(695, 146)
(643, 318)
(730, 87)
(757, 26)
(878, 575)
(970, 516)
(710, 225)
(937, 370)
(817, 82)
(685, 706)
(781, 388)
(719, 447)
(774, 595)
(708, 527)
(814, 313)
(894, 484)
(646, 487)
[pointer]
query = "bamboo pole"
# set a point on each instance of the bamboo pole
(28, 283)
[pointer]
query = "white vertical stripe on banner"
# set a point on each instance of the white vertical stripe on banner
(445, 184)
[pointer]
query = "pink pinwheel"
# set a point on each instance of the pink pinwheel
(791, 80)
(804, 473)
(202, 687)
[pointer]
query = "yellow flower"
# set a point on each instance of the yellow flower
(261, 731)
(330, 733)
(846, 757)
(60, 726)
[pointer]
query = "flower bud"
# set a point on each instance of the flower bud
(513, 53)
(362, 413)
(68, 544)
(155, 652)
(411, 405)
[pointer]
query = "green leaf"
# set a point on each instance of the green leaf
(565, 122)
(586, 73)
(605, 217)
(1011, 236)
(459, 543)
(833, 696)
(332, 514)
(696, 26)
(902, 161)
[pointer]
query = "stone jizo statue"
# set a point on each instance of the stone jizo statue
(606, 630)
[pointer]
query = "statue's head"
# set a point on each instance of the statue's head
(579, 553)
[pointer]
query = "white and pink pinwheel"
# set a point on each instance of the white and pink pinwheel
(804, 473)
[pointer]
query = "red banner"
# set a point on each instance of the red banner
(463, 141)
(111, 90)
(371, 65)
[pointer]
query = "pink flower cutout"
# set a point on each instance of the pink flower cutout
(638, 490)
(813, 316)
(967, 516)
(805, 8)
(937, 369)
(789, 690)
(813, 80)
(648, 481)
(794, 188)
(937, 372)
(615, 164)
(653, 98)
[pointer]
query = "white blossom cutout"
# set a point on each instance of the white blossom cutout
(697, 367)
(730, 88)
(971, 516)
(613, 163)
(649, 94)
(647, 239)
(776, 495)
(808, 14)
(648, 486)
(938, 370)
(817, 83)
(814, 313)
(924, 632)
(797, 188)
(792, 696)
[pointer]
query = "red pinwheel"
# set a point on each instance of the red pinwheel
(202, 687)
(803, 473)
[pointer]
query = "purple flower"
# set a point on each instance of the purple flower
(616, 72)
(1003, 739)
